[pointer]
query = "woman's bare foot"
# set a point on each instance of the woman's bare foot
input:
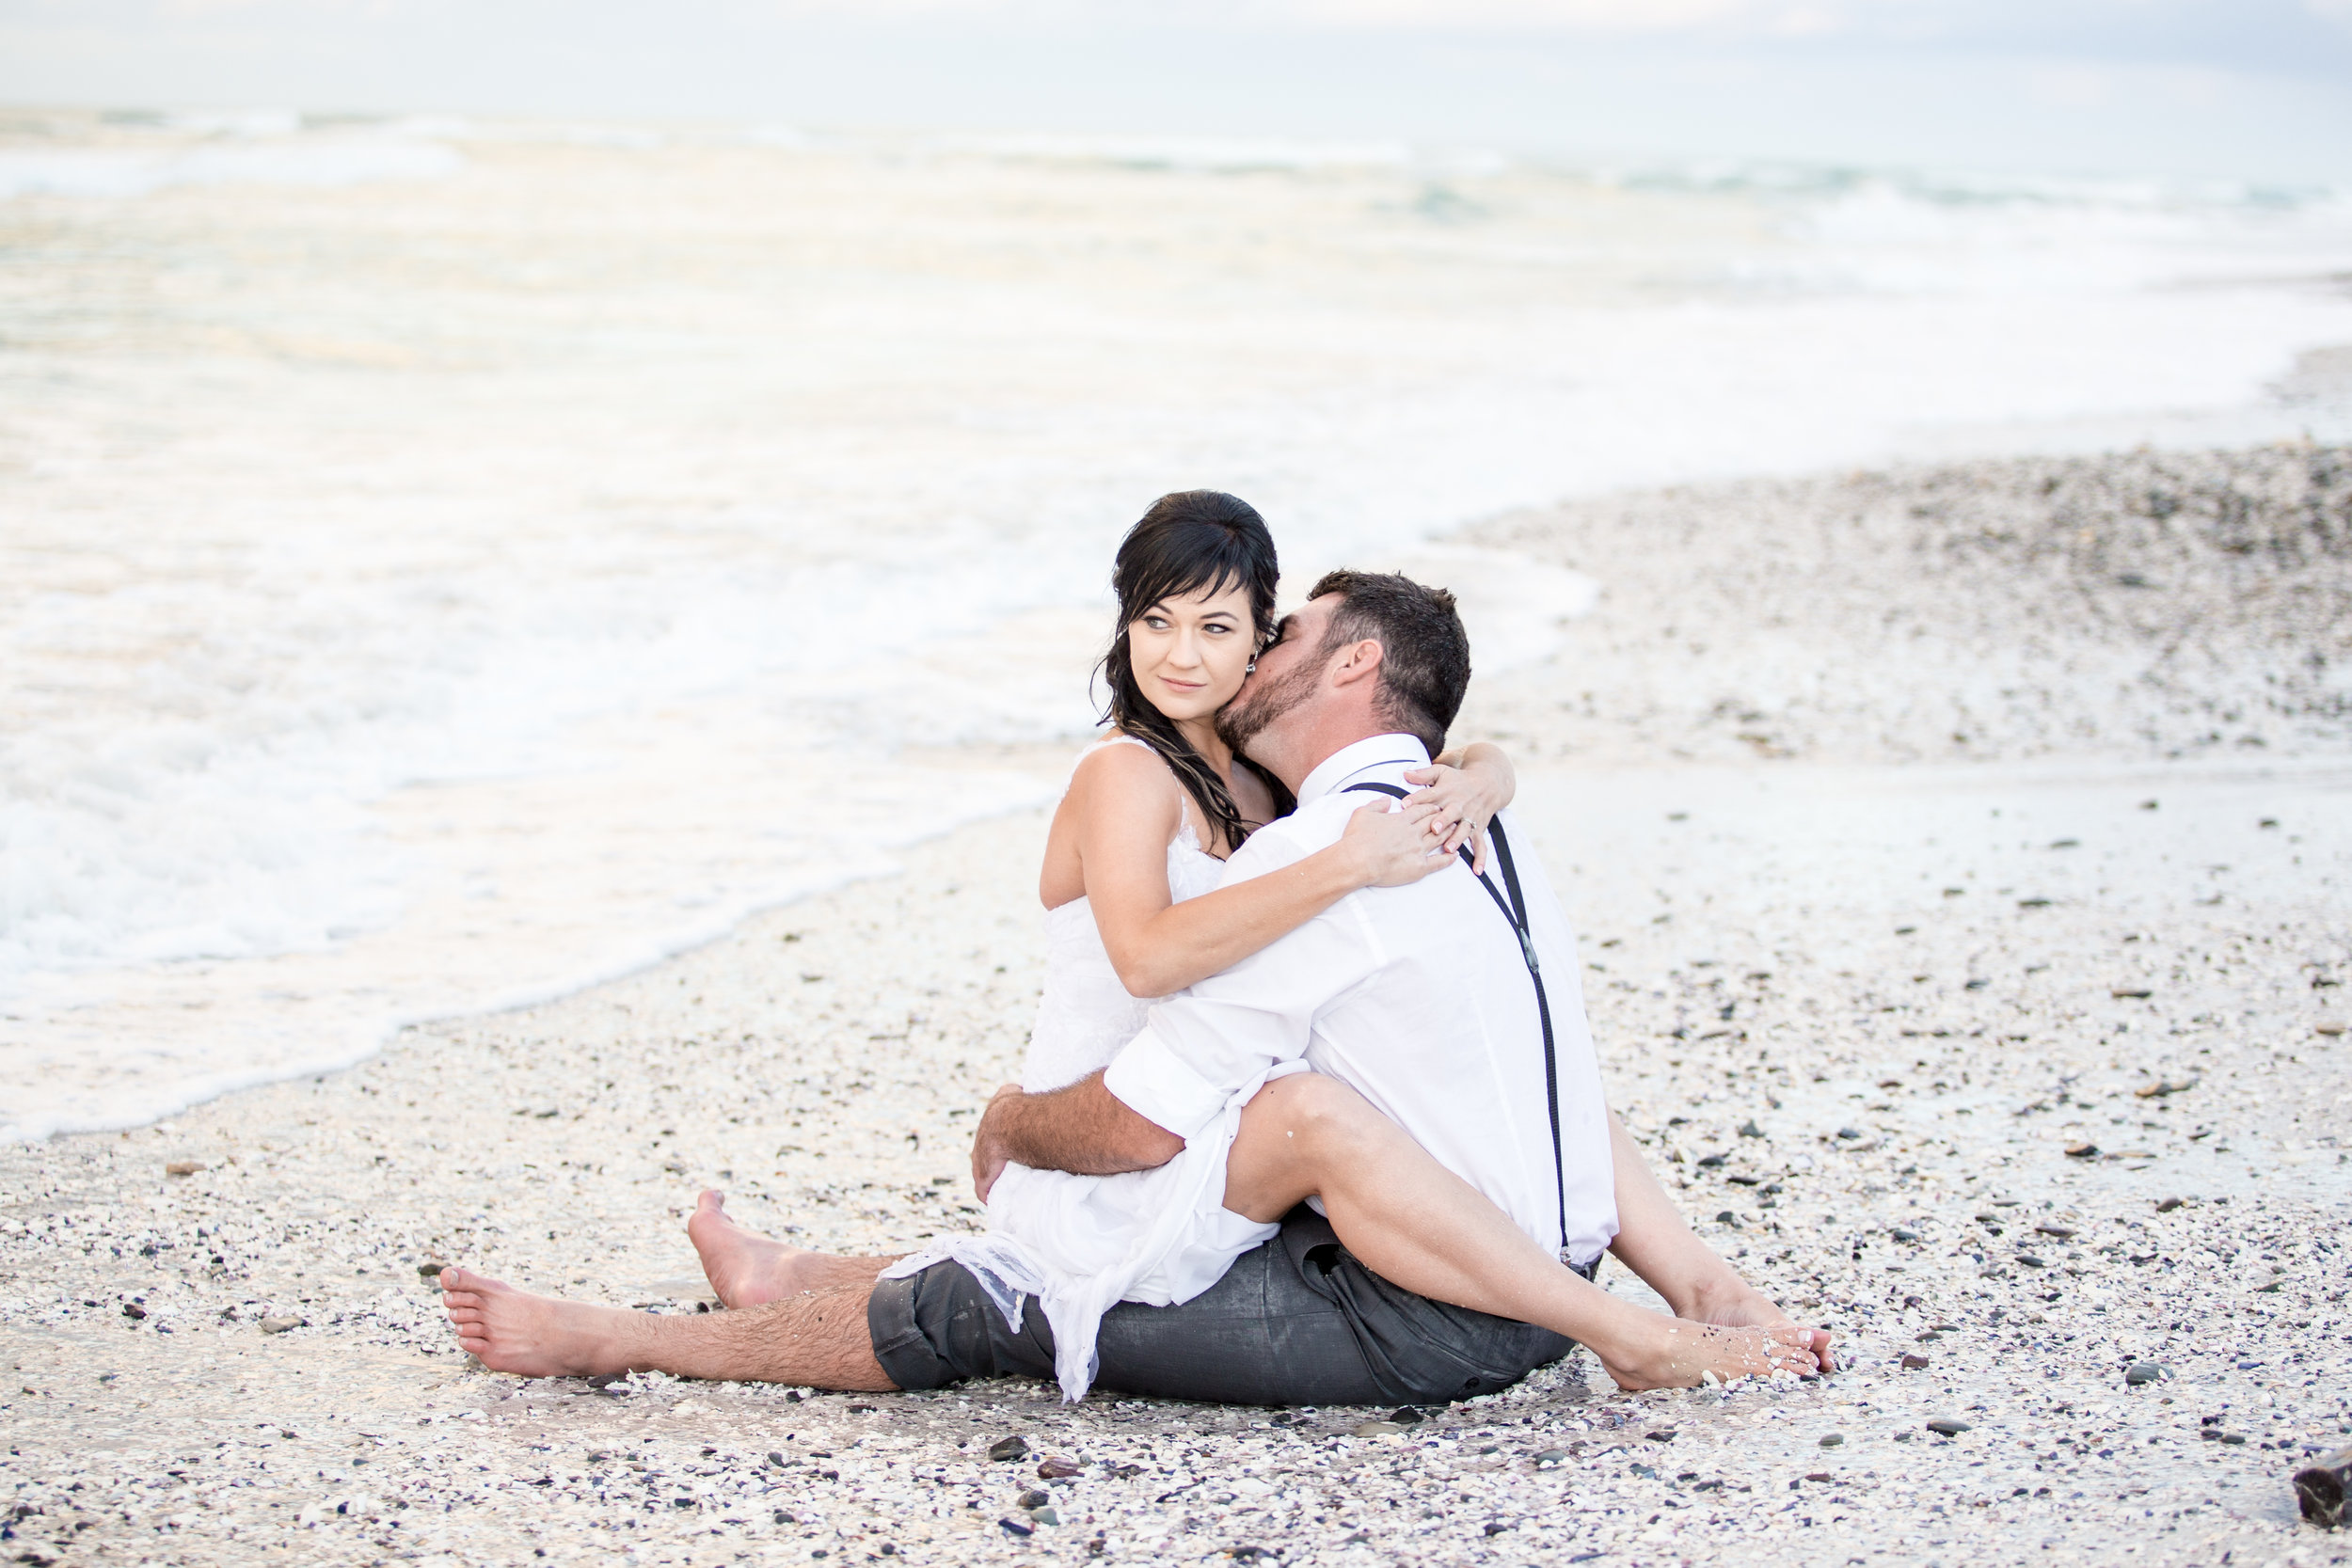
(748, 1269)
(1680, 1353)
(514, 1331)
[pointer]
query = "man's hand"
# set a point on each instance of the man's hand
(990, 1154)
(1083, 1129)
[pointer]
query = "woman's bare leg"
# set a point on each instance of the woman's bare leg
(747, 1268)
(1418, 1225)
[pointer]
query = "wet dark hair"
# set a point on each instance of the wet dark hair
(1189, 541)
(1425, 651)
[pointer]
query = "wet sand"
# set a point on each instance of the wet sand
(1930, 1040)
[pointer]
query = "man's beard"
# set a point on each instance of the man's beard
(1244, 720)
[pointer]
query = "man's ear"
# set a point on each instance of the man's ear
(1359, 661)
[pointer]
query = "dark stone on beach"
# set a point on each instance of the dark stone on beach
(1713, 1161)
(1661, 1435)
(2319, 1488)
(1550, 1457)
(1034, 1499)
(2166, 1205)
(1835, 1439)
(1914, 1362)
(775, 1458)
(1943, 1426)
(2064, 1233)
(1056, 1467)
(134, 1311)
(2082, 1151)
(1409, 1414)
(1748, 1129)
(1819, 1475)
(2144, 1372)
(1013, 1527)
(1904, 1233)
(1008, 1447)
(1251, 1554)
(1726, 1218)
(431, 1268)
(1849, 1133)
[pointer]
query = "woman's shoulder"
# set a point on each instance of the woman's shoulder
(1124, 766)
(1117, 756)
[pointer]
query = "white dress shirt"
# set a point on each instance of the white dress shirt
(1417, 998)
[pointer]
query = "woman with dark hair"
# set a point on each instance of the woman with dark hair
(1155, 807)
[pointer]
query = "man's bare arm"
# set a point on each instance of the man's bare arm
(1084, 1129)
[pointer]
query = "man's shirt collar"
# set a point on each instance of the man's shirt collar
(1346, 765)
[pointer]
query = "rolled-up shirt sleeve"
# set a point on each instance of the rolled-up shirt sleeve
(1203, 1044)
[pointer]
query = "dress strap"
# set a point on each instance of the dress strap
(1116, 740)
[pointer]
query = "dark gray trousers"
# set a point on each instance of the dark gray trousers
(1296, 1321)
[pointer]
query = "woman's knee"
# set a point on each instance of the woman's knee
(1314, 1107)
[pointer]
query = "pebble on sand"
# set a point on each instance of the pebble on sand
(2319, 1489)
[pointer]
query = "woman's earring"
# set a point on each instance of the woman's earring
(1253, 668)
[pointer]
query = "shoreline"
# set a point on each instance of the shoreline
(1970, 966)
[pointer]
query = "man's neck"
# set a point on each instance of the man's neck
(1320, 745)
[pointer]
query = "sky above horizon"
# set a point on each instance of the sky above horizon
(2254, 89)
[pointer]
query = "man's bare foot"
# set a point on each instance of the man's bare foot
(747, 1268)
(1680, 1353)
(514, 1331)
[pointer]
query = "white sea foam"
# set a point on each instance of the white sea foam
(488, 581)
(136, 171)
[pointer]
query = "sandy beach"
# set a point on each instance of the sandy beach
(1959, 860)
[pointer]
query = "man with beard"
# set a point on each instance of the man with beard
(1447, 1011)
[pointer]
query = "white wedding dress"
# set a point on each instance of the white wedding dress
(1083, 1243)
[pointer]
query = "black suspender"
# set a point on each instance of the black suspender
(1515, 911)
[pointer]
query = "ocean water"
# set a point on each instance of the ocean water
(443, 563)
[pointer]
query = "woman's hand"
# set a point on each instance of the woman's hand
(1394, 847)
(1463, 802)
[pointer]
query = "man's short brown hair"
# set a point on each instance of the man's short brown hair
(1425, 652)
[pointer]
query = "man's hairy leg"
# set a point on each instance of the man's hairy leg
(818, 1339)
(1418, 1225)
(748, 1269)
